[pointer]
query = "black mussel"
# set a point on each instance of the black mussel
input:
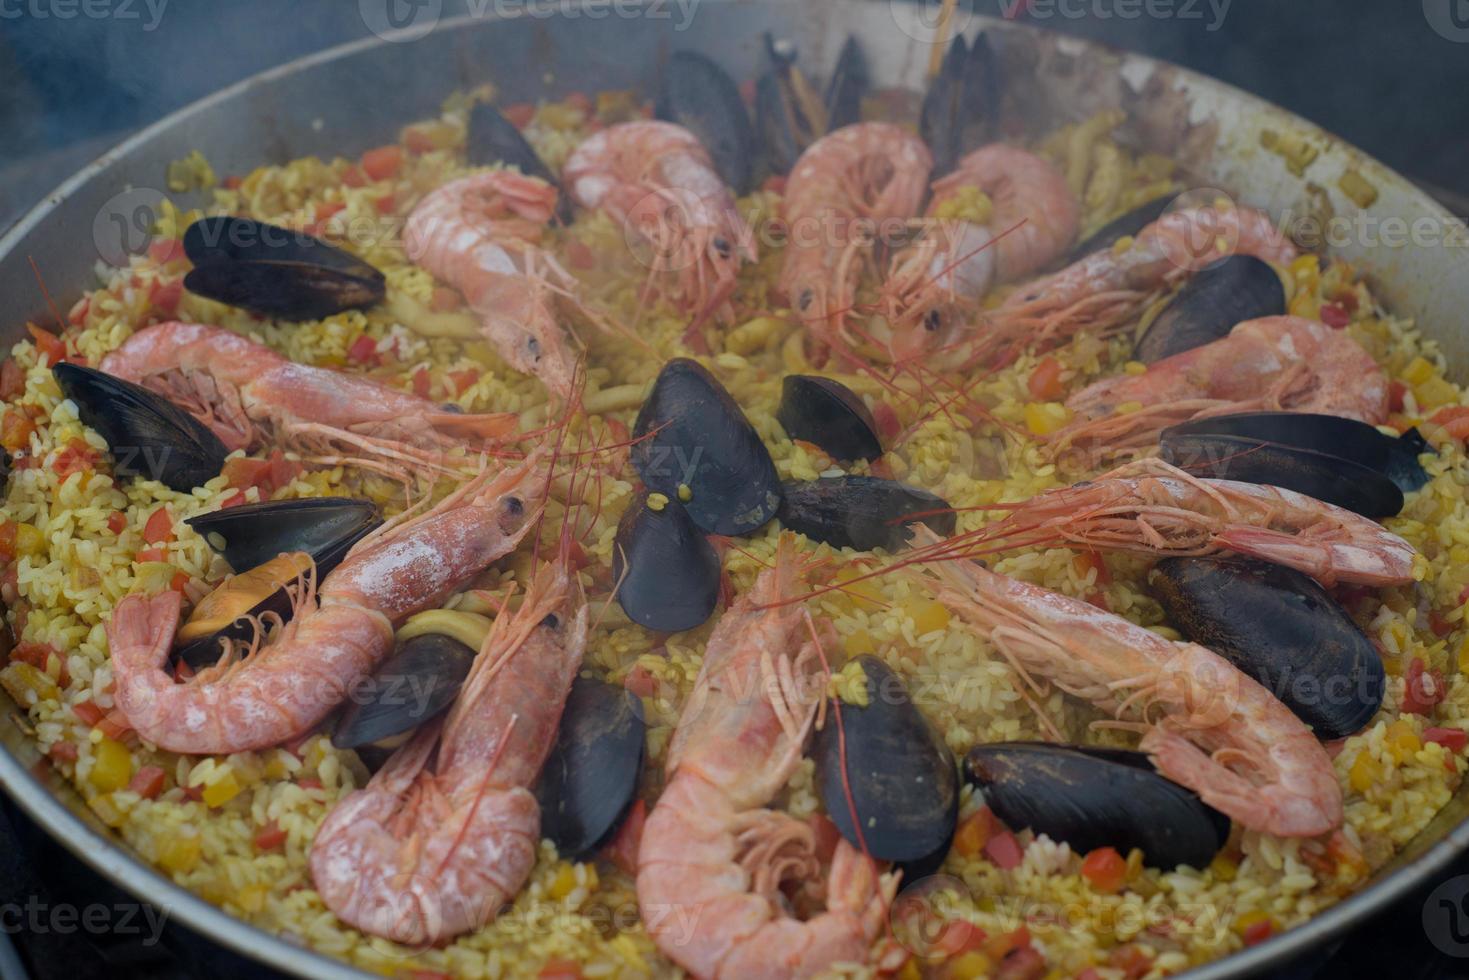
(414, 684)
(1283, 629)
(900, 777)
(1328, 478)
(961, 108)
(847, 87)
(1125, 226)
(668, 573)
(701, 97)
(828, 414)
(232, 611)
(147, 435)
(494, 139)
(1094, 797)
(276, 271)
(790, 115)
(691, 434)
(1394, 457)
(590, 779)
(862, 512)
(1231, 291)
(324, 527)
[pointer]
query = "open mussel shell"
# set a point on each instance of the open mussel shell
(1092, 797)
(668, 573)
(961, 108)
(862, 512)
(591, 776)
(276, 271)
(828, 414)
(1327, 478)
(790, 115)
(847, 87)
(1283, 629)
(1349, 439)
(902, 778)
(147, 435)
(231, 610)
(690, 433)
(494, 139)
(324, 527)
(417, 682)
(700, 96)
(1210, 304)
(1124, 226)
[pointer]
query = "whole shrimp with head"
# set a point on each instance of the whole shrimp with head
(1281, 363)
(250, 396)
(338, 634)
(658, 182)
(713, 856)
(848, 190)
(1105, 291)
(1206, 725)
(1002, 215)
(439, 841)
(481, 234)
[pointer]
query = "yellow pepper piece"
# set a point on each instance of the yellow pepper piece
(1224, 869)
(1365, 772)
(1044, 418)
(179, 855)
(1419, 370)
(858, 642)
(968, 966)
(29, 540)
(222, 790)
(928, 615)
(563, 883)
(1402, 741)
(113, 765)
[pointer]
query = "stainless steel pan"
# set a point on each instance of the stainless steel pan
(351, 98)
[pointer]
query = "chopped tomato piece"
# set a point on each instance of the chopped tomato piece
(623, 850)
(243, 472)
(152, 554)
(1003, 850)
(15, 431)
(90, 712)
(463, 379)
(383, 162)
(974, 832)
(1453, 739)
(886, 417)
(53, 351)
(580, 255)
(443, 300)
(310, 782)
(117, 522)
(1132, 960)
(233, 500)
(354, 177)
(1087, 560)
(326, 209)
(421, 382)
(74, 457)
(363, 350)
(520, 114)
(1454, 421)
(1424, 688)
(43, 657)
(1335, 315)
(63, 752)
(1257, 932)
(1045, 381)
(282, 470)
(7, 540)
(417, 140)
(560, 970)
(641, 681)
(385, 204)
(269, 837)
(148, 782)
(1438, 625)
(179, 581)
(164, 296)
(166, 250)
(159, 528)
(1022, 963)
(12, 380)
(1395, 392)
(231, 182)
(1105, 870)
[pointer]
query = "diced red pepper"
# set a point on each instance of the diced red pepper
(641, 681)
(90, 712)
(1423, 689)
(354, 177)
(15, 431)
(363, 350)
(1454, 420)
(269, 837)
(52, 350)
(1045, 381)
(12, 380)
(164, 296)
(1105, 870)
(7, 541)
(463, 379)
(886, 417)
(166, 250)
(1132, 960)
(326, 209)
(382, 162)
(42, 656)
(1440, 626)
(159, 528)
(1396, 390)
(1086, 561)
(1022, 963)
(1257, 932)
(385, 204)
(310, 782)
(520, 114)
(63, 752)
(179, 582)
(1335, 315)
(234, 500)
(282, 470)
(624, 847)
(148, 782)
(421, 382)
(1003, 850)
(560, 970)
(75, 457)
(1453, 739)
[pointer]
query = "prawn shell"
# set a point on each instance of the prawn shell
(1396, 458)
(326, 528)
(700, 96)
(961, 108)
(1283, 629)
(862, 512)
(1247, 460)
(828, 414)
(493, 139)
(590, 778)
(147, 435)
(691, 433)
(276, 272)
(415, 684)
(1210, 305)
(1091, 797)
(903, 779)
(1124, 226)
(668, 573)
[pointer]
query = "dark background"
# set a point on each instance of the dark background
(1373, 71)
